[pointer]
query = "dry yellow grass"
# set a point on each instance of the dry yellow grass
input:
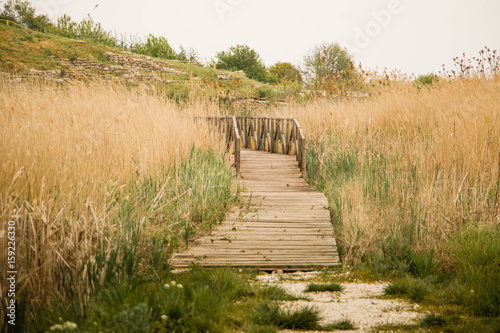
(437, 151)
(64, 153)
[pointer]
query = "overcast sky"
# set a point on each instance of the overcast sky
(415, 36)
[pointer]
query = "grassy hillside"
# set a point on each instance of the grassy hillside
(22, 50)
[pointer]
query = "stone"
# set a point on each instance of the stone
(223, 76)
(241, 73)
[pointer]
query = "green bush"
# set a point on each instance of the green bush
(157, 47)
(87, 29)
(427, 80)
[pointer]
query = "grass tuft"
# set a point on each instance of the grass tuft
(332, 287)
(398, 288)
(306, 318)
(432, 320)
(340, 325)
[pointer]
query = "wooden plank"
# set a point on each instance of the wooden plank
(282, 226)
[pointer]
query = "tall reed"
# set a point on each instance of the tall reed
(419, 163)
(92, 174)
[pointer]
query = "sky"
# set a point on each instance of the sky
(414, 36)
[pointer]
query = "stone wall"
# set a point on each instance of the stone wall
(140, 62)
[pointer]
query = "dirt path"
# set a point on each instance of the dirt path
(359, 302)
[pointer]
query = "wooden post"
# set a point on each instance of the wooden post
(237, 146)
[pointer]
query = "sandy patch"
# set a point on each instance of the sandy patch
(358, 302)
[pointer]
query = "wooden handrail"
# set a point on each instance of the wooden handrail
(272, 134)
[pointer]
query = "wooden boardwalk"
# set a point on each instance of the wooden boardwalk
(285, 225)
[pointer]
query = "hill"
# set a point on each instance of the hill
(27, 55)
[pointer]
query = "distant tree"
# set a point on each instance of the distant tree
(24, 13)
(329, 65)
(246, 59)
(157, 47)
(189, 55)
(286, 72)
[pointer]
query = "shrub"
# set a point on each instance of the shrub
(427, 80)
(157, 47)
(87, 29)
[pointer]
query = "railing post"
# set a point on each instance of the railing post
(270, 134)
(237, 146)
(304, 158)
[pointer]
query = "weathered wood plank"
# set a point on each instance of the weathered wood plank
(284, 225)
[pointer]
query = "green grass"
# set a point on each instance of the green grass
(477, 253)
(197, 300)
(340, 325)
(331, 287)
(398, 288)
(446, 323)
(306, 318)
(276, 293)
(432, 320)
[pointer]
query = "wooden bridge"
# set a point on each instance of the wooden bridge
(285, 224)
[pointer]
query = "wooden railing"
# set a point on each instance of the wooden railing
(274, 135)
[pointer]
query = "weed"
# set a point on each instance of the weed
(423, 266)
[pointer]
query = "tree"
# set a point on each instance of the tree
(189, 55)
(286, 72)
(24, 13)
(242, 57)
(329, 65)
